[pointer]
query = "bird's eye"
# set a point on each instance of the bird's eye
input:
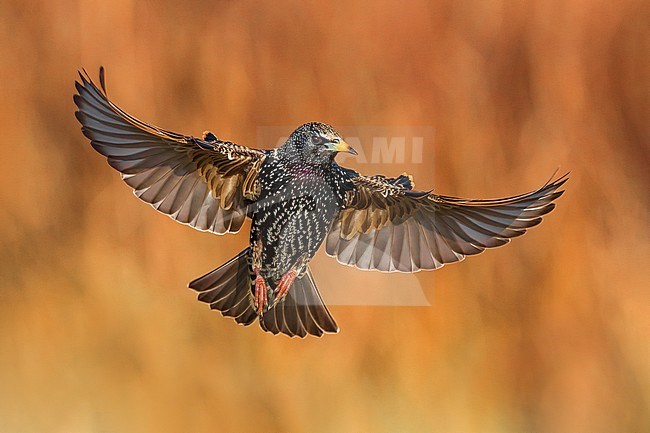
(316, 139)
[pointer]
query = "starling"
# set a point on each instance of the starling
(297, 197)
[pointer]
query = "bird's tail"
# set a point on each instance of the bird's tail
(229, 288)
(301, 313)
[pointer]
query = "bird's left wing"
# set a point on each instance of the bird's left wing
(388, 227)
(205, 183)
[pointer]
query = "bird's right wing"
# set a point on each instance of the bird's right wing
(388, 227)
(205, 183)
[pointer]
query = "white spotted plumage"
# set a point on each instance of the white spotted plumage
(301, 196)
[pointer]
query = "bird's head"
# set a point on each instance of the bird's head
(317, 142)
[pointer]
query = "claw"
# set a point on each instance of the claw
(285, 283)
(261, 296)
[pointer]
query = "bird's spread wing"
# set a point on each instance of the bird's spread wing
(389, 227)
(205, 183)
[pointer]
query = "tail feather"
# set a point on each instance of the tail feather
(228, 290)
(301, 313)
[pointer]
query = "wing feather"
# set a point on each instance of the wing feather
(387, 226)
(206, 184)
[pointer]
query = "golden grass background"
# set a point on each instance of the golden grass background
(548, 334)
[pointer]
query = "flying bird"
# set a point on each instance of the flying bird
(297, 197)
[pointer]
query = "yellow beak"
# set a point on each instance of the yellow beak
(342, 146)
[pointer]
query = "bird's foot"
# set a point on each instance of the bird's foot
(285, 283)
(261, 299)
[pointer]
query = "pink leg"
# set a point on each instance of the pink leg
(283, 286)
(261, 297)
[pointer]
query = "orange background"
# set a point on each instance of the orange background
(548, 334)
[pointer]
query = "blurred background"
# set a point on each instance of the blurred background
(98, 332)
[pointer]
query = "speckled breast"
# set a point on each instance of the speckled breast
(291, 218)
